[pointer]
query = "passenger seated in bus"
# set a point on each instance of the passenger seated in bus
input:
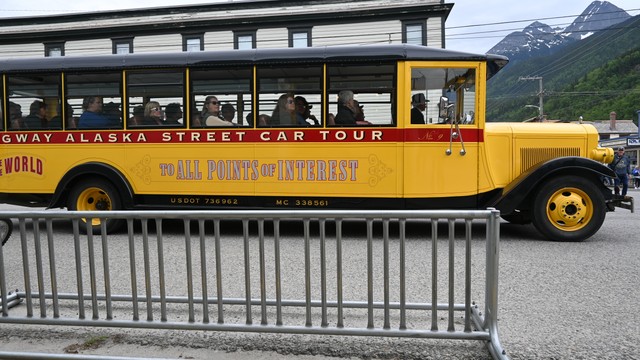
(56, 121)
(303, 112)
(211, 113)
(331, 119)
(264, 120)
(228, 112)
(285, 111)
(153, 114)
(196, 120)
(92, 117)
(249, 119)
(419, 103)
(173, 114)
(347, 110)
(15, 116)
(112, 112)
(138, 116)
(196, 117)
(360, 114)
(37, 115)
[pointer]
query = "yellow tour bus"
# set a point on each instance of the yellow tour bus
(360, 127)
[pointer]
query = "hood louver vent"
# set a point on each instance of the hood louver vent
(532, 156)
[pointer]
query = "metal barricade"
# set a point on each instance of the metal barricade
(238, 271)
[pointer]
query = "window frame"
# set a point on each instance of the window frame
(197, 95)
(70, 97)
(187, 37)
(48, 47)
(267, 96)
(238, 34)
(422, 24)
(3, 102)
(293, 31)
(46, 87)
(362, 94)
(130, 83)
(466, 98)
(120, 41)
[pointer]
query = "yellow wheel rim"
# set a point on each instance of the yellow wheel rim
(93, 199)
(569, 209)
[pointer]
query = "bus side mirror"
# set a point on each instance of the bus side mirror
(444, 107)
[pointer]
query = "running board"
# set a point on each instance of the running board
(625, 202)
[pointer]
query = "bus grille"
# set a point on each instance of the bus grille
(532, 156)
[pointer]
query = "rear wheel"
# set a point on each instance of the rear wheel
(568, 208)
(6, 227)
(95, 195)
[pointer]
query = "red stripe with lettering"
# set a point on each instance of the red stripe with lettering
(240, 135)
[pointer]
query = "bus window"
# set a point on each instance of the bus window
(2, 112)
(154, 93)
(231, 91)
(278, 88)
(94, 101)
(430, 85)
(38, 97)
(373, 92)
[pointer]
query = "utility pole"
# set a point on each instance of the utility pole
(540, 93)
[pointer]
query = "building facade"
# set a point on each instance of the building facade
(227, 25)
(615, 133)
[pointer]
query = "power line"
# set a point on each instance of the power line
(567, 60)
(533, 20)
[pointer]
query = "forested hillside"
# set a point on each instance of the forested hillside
(613, 87)
(590, 78)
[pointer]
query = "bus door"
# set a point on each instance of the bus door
(442, 134)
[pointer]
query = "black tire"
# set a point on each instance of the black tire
(6, 228)
(568, 208)
(95, 194)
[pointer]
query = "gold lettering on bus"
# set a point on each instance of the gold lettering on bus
(253, 170)
(189, 170)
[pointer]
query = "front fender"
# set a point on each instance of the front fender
(518, 194)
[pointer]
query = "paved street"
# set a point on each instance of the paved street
(556, 301)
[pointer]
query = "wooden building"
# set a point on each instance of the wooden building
(227, 25)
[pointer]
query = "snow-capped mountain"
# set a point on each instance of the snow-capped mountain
(539, 39)
(599, 15)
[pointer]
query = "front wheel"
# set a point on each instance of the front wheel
(568, 208)
(95, 195)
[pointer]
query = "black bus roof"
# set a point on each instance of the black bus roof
(283, 56)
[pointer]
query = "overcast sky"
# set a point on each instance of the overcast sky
(497, 17)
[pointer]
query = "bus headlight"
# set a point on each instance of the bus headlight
(603, 155)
